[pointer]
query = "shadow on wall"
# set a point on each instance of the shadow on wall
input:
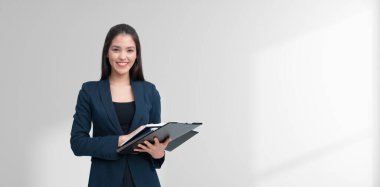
(312, 99)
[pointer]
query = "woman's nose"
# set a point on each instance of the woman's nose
(123, 56)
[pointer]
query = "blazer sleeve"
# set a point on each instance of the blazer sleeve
(81, 143)
(155, 117)
(155, 112)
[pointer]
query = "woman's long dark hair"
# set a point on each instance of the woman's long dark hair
(136, 72)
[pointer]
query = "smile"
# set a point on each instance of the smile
(122, 63)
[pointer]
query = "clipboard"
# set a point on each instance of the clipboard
(178, 132)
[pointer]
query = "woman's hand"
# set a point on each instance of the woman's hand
(156, 150)
(123, 138)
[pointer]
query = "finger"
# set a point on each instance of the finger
(148, 144)
(167, 141)
(140, 128)
(140, 150)
(156, 142)
(141, 146)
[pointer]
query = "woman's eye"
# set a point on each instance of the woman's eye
(130, 51)
(115, 50)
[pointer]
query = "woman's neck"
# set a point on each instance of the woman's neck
(119, 80)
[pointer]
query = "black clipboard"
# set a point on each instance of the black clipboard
(178, 132)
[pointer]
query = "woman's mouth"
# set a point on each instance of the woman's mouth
(122, 64)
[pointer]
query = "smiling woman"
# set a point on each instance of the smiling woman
(117, 105)
(122, 46)
(122, 53)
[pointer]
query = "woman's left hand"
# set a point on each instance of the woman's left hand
(156, 150)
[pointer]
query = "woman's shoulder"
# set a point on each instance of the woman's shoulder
(148, 87)
(145, 84)
(90, 85)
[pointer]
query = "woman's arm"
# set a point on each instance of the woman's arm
(155, 112)
(155, 117)
(81, 142)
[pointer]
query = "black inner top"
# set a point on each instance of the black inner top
(125, 112)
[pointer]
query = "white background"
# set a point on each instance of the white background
(287, 90)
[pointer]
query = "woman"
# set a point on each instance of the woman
(117, 105)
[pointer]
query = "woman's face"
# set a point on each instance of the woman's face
(122, 54)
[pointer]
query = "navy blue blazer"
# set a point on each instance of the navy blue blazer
(95, 105)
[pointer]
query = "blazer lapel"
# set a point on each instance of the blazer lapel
(105, 94)
(137, 94)
(106, 97)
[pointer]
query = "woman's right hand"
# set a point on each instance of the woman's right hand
(123, 138)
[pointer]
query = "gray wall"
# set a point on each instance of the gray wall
(287, 90)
